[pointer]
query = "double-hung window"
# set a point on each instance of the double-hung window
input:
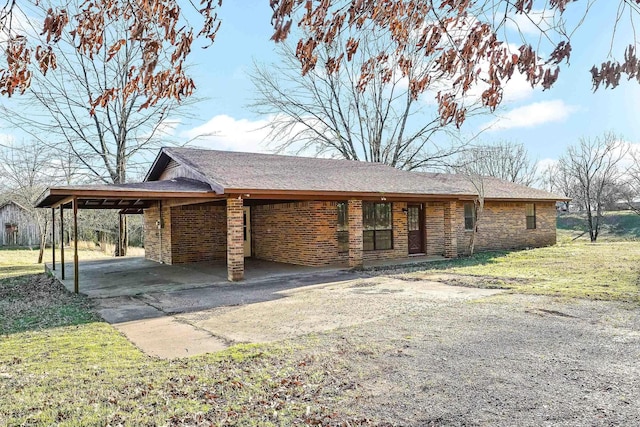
(469, 216)
(343, 227)
(530, 212)
(377, 225)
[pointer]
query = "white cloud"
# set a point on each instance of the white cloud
(7, 140)
(532, 115)
(22, 24)
(545, 164)
(223, 132)
(532, 23)
(517, 89)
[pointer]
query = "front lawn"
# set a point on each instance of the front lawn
(61, 365)
(20, 261)
(601, 271)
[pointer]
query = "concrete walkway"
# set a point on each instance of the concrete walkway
(155, 322)
(128, 276)
(167, 310)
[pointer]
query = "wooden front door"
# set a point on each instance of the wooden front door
(415, 225)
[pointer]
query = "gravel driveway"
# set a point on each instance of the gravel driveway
(507, 360)
(417, 353)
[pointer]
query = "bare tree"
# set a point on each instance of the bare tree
(108, 138)
(334, 112)
(593, 165)
(477, 181)
(25, 172)
(556, 179)
(478, 205)
(631, 188)
(505, 160)
(477, 54)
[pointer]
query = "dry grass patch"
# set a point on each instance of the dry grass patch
(601, 271)
(18, 262)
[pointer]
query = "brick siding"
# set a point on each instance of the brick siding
(157, 241)
(305, 233)
(503, 226)
(198, 233)
(434, 228)
(235, 239)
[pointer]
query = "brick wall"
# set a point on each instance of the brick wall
(235, 238)
(305, 233)
(157, 242)
(198, 233)
(503, 226)
(302, 233)
(434, 228)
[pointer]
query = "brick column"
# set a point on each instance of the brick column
(235, 239)
(354, 210)
(450, 230)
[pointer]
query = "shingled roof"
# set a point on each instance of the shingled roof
(494, 188)
(229, 172)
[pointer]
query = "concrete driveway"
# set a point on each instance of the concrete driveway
(187, 322)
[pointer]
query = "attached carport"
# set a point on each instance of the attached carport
(130, 198)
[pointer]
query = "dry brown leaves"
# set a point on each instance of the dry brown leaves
(467, 50)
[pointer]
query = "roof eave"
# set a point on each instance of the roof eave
(66, 195)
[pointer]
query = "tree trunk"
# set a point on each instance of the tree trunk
(43, 242)
(123, 237)
(479, 207)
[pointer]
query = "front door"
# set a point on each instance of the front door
(247, 231)
(415, 226)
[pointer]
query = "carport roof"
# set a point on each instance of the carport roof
(130, 197)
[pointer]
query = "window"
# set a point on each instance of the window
(469, 216)
(343, 227)
(377, 226)
(530, 211)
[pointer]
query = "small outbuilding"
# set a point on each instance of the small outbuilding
(19, 228)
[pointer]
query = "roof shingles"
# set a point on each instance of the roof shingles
(253, 171)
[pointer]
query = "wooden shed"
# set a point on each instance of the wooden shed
(18, 227)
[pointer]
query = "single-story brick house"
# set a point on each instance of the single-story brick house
(205, 205)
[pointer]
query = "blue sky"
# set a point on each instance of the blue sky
(545, 121)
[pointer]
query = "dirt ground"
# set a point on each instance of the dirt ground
(325, 307)
(427, 354)
(505, 360)
(422, 353)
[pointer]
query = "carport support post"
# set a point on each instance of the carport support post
(53, 239)
(450, 230)
(354, 211)
(62, 242)
(235, 239)
(75, 246)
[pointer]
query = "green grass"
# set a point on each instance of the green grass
(19, 262)
(60, 365)
(616, 226)
(90, 375)
(601, 271)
